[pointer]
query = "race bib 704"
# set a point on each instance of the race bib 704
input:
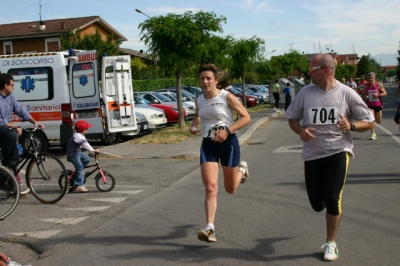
(323, 115)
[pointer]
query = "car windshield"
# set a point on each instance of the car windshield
(248, 91)
(162, 97)
(171, 96)
(234, 90)
(140, 100)
(188, 94)
(262, 88)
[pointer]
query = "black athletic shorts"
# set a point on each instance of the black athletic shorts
(325, 179)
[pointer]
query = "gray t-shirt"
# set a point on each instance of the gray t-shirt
(320, 109)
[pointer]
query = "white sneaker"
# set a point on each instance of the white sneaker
(278, 111)
(207, 235)
(331, 251)
(243, 168)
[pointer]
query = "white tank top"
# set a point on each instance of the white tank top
(214, 113)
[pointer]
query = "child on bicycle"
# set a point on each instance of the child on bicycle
(76, 156)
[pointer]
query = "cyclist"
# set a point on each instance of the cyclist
(8, 106)
(76, 156)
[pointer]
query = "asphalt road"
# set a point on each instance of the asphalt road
(153, 215)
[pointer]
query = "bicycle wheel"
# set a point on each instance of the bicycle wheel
(61, 179)
(9, 192)
(105, 186)
(42, 175)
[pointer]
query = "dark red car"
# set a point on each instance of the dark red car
(171, 111)
(251, 101)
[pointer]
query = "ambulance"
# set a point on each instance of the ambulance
(60, 88)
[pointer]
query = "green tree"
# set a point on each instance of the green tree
(265, 71)
(364, 66)
(180, 42)
(91, 42)
(287, 63)
(376, 68)
(244, 53)
(390, 73)
(345, 71)
(137, 66)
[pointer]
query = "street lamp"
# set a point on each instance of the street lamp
(140, 11)
(270, 52)
(154, 61)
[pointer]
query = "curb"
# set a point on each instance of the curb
(253, 127)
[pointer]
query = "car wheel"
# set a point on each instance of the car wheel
(39, 140)
(111, 138)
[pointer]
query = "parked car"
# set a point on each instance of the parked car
(142, 127)
(251, 101)
(264, 95)
(193, 90)
(155, 117)
(189, 105)
(261, 90)
(170, 110)
(156, 97)
(186, 94)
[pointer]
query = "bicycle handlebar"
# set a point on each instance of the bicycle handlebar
(32, 130)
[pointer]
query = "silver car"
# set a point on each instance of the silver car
(189, 105)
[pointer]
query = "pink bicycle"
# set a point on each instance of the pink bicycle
(105, 182)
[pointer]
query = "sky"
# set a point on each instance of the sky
(343, 26)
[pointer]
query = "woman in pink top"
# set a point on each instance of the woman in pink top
(373, 93)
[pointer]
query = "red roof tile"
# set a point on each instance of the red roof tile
(54, 27)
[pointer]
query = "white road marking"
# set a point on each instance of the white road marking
(89, 209)
(38, 234)
(132, 192)
(113, 200)
(291, 148)
(71, 220)
(397, 139)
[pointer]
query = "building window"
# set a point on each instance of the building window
(52, 44)
(7, 47)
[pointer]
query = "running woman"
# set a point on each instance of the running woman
(214, 108)
(373, 93)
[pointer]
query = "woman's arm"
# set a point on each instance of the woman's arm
(244, 117)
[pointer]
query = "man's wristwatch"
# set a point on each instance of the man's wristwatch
(352, 127)
(228, 130)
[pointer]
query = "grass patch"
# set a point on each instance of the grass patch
(258, 108)
(168, 135)
(174, 134)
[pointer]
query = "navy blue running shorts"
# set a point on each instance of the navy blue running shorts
(227, 152)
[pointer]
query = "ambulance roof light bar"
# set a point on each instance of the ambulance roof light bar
(72, 55)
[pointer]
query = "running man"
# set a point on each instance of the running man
(329, 110)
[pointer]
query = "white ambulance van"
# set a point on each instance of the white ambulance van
(59, 88)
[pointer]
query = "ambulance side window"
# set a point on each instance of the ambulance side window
(33, 83)
(83, 80)
(109, 87)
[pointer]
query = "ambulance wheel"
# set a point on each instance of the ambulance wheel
(39, 139)
(111, 138)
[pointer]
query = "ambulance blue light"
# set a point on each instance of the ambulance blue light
(71, 52)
